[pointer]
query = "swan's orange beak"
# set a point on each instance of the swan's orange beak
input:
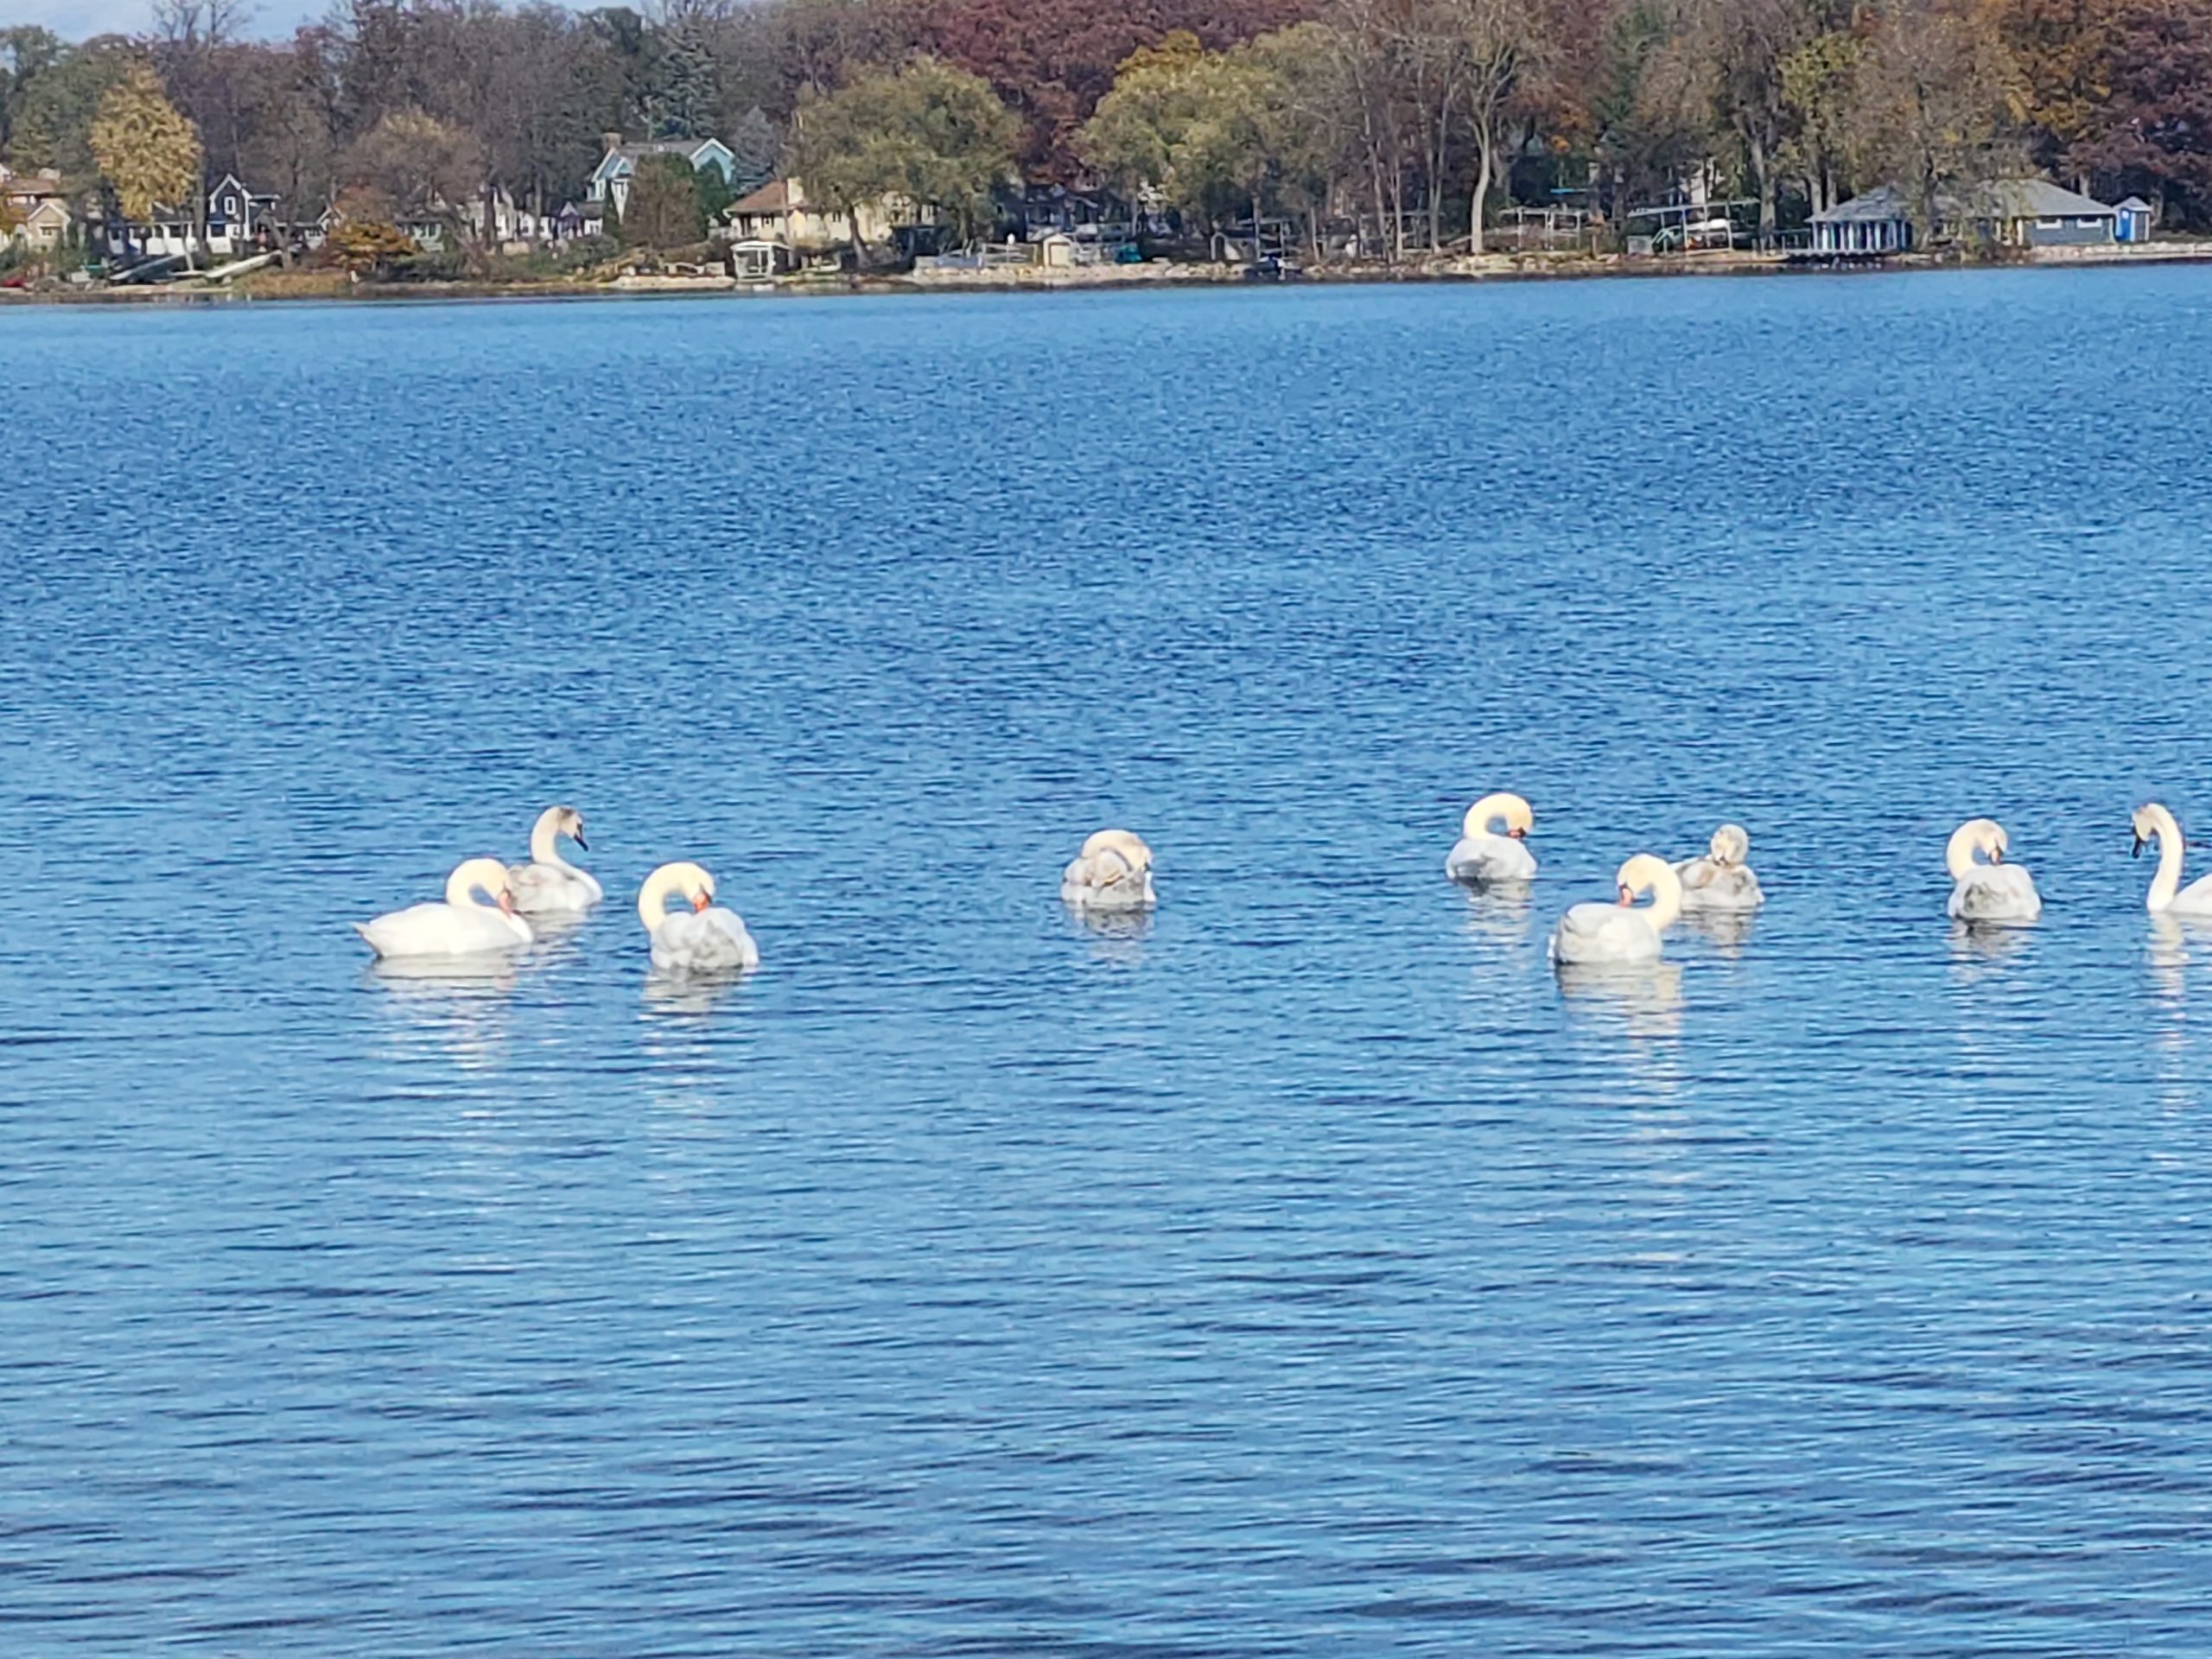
(1518, 835)
(507, 901)
(1996, 854)
(699, 902)
(1627, 895)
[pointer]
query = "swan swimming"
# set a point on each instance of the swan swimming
(1615, 933)
(1112, 871)
(2168, 896)
(458, 927)
(697, 940)
(1481, 855)
(1995, 891)
(1721, 880)
(548, 882)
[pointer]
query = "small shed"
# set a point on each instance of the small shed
(1056, 251)
(2134, 224)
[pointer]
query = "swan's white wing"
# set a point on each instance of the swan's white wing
(1106, 882)
(2194, 900)
(1595, 932)
(1708, 886)
(539, 888)
(704, 942)
(1480, 860)
(2002, 892)
(440, 930)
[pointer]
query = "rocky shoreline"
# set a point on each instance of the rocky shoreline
(292, 287)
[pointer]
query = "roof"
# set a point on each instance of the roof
(2136, 205)
(1997, 199)
(773, 197)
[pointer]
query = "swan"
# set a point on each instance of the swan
(1481, 855)
(697, 940)
(1995, 891)
(1721, 880)
(1615, 933)
(2168, 896)
(458, 927)
(548, 882)
(1112, 871)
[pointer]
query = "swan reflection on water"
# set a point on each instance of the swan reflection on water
(1729, 931)
(1981, 949)
(1646, 995)
(689, 995)
(2174, 946)
(1115, 936)
(460, 1004)
(1500, 913)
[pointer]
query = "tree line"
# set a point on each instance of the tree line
(1421, 118)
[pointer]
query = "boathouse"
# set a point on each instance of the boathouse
(2007, 212)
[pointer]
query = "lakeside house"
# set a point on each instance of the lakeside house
(2006, 213)
(576, 220)
(41, 211)
(609, 184)
(238, 219)
(775, 229)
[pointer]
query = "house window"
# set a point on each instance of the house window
(2048, 224)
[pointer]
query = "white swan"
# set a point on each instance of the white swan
(459, 926)
(1481, 855)
(697, 940)
(548, 882)
(1721, 880)
(1112, 871)
(1615, 933)
(2168, 896)
(1995, 891)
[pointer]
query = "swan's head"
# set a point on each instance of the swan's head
(685, 880)
(1641, 874)
(485, 875)
(1126, 843)
(567, 821)
(2146, 825)
(1983, 836)
(1731, 845)
(1518, 817)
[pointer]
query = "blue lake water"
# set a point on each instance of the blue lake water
(1306, 1271)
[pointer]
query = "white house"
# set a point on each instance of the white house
(610, 180)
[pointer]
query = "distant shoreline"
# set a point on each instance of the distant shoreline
(1030, 279)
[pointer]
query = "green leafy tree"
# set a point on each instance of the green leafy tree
(663, 209)
(148, 154)
(53, 122)
(930, 136)
(26, 53)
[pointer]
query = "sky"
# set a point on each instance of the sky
(74, 19)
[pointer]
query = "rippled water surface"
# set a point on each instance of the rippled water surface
(1306, 1271)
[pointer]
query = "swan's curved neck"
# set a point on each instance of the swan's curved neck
(2167, 883)
(652, 898)
(1665, 899)
(1958, 857)
(545, 839)
(463, 884)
